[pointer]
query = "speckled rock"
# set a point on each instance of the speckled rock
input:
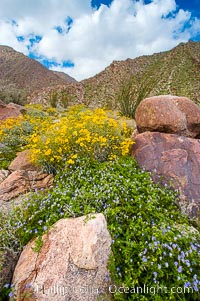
(71, 264)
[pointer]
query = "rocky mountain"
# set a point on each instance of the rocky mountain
(65, 76)
(174, 72)
(20, 73)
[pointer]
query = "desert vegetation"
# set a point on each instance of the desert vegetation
(88, 152)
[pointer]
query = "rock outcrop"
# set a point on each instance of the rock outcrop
(168, 145)
(71, 264)
(169, 114)
(23, 162)
(22, 177)
(173, 160)
(10, 111)
(3, 175)
(74, 92)
(21, 181)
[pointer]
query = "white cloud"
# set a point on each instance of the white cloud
(97, 37)
(8, 37)
(46, 11)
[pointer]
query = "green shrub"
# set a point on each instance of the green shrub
(9, 252)
(59, 97)
(14, 132)
(53, 99)
(65, 98)
(153, 244)
(131, 94)
(13, 139)
(10, 93)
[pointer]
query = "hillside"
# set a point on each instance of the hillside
(65, 76)
(20, 73)
(172, 72)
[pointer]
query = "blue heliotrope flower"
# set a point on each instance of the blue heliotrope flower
(144, 259)
(187, 284)
(180, 269)
(7, 285)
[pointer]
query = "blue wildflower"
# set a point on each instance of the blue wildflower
(180, 269)
(7, 285)
(187, 284)
(144, 259)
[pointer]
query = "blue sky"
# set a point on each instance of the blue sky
(192, 5)
(82, 37)
(97, 3)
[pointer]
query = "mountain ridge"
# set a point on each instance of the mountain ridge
(20, 72)
(176, 71)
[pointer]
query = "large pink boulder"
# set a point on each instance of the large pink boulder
(169, 114)
(172, 160)
(71, 264)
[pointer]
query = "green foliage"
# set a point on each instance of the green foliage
(131, 94)
(13, 139)
(36, 111)
(14, 133)
(59, 97)
(4, 294)
(153, 244)
(65, 98)
(53, 99)
(10, 93)
(38, 244)
(6, 156)
(9, 251)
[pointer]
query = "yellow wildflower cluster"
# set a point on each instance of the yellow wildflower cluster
(15, 132)
(9, 123)
(61, 140)
(83, 132)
